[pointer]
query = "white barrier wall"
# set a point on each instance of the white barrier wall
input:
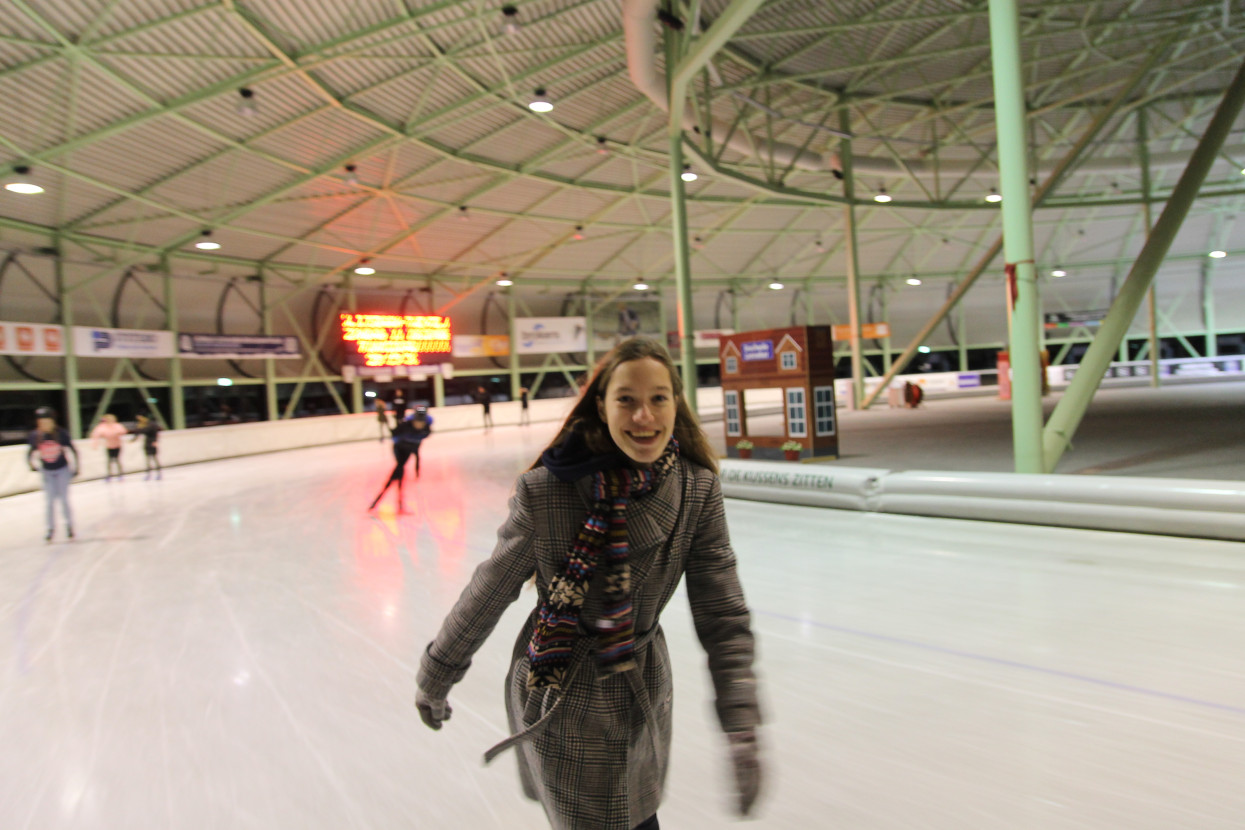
(1175, 507)
(190, 446)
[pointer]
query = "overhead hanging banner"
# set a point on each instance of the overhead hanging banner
(481, 345)
(550, 335)
(93, 342)
(395, 339)
(238, 346)
(32, 339)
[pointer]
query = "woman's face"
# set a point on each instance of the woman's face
(639, 409)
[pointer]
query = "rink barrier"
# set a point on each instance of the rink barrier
(1166, 506)
(193, 446)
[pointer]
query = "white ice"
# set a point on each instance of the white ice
(235, 647)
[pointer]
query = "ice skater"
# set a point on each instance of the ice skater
(484, 399)
(525, 415)
(150, 432)
(383, 417)
(111, 433)
(589, 687)
(407, 437)
(52, 446)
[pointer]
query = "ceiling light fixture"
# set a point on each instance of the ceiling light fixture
(579, 233)
(819, 246)
(248, 106)
(540, 101)
(776, 285)
(1217, 254)
(603, 147)
(923, 349)
(364, 269)
(882, 196)
(993, 196)
(913, 281)
(505, 281)
(640, 286)
(698, 243)
(510, 20)
(462, 213)
(1058, 272)
(20, 182)
(688, 175)
(207, 244)
(352, 176)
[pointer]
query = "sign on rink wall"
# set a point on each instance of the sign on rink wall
(481, 345)
(136, 343)
(32, 339)
(550, 335)
(237, 346)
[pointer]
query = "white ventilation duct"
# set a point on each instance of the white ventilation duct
(639, 17)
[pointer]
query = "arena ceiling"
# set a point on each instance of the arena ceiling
(399, 131)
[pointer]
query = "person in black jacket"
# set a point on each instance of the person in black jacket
(150, 431)
(484, 399)
(407, 436)
(52, 446)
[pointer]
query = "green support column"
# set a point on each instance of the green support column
(853, 278)
(678, 220)
(438, 390)
(356, 385)
(1071, 408)
(73, 415)
(1208, 310)
(270, 365)
(177, 400)
(1009, 114)
(516, 380)
(1143, 150)
(886, 318)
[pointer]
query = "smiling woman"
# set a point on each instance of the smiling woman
(619, 506)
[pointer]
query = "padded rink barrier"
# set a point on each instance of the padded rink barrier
(1171, 507)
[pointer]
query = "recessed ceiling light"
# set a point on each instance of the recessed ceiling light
(365, 270)
(640, 286)
(688, 175)
(503, 282)
(882, 196)
(923, 349)
(776, 285)
(1217, 254)
(913, 281)
(1059, 272)
(993, 196)
(20, 182)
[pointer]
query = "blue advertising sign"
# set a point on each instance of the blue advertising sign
(759, 350)
(968, 380)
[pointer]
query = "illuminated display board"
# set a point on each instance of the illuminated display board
(395, 339)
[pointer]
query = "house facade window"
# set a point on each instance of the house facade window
(823, 409)
(732, 365)
(788, 360)
(797, 414)
(732, 411)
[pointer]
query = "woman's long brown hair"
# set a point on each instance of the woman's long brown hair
(586, 418)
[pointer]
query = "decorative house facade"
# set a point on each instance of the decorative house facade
(800, 362)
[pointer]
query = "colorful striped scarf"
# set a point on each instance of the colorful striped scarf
(601, 545)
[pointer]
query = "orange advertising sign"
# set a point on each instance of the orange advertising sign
(396, 339)
(868, 331)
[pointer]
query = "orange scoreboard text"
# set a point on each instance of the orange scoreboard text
(395, 339)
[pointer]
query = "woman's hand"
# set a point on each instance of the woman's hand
(746, 760)
(432, 711)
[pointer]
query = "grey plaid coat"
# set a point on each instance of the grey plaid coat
(595, 754)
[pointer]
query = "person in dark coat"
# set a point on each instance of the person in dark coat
(484, 399)
(51, 445)
(525, 415)
(618, 509)
(150, 432)
(409, 433)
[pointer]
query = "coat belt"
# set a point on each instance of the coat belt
(641, 641)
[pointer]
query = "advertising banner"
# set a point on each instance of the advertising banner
(868, 331)
(481, 345)
(32, 339)
(136, 343)
(395, 339)
(550, 335)
(701, 339)
(238, 346)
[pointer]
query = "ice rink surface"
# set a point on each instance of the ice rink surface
(235, 647)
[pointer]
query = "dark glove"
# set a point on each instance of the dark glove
(432, 711)
(746, 760)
